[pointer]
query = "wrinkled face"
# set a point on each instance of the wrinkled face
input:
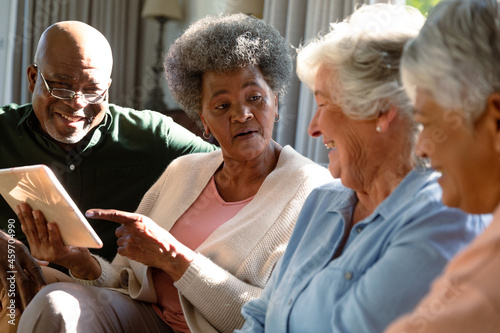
(463, 153)
(345, 138)
(239, 109)
(68, 121)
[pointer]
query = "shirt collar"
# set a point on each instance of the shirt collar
(344, 199)
(414, 181)
(27, 119)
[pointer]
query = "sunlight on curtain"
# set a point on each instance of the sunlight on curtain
(7, 47)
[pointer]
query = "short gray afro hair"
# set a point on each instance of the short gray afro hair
(223, 44)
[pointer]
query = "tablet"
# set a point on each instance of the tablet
(38, 186)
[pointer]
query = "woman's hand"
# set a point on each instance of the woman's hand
(46, 244)
(142, 240)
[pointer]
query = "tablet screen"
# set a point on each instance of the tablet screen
(38, 186)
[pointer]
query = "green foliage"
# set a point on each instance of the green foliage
(423, 5)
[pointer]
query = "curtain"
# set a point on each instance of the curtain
(299, 21)
(118, 20)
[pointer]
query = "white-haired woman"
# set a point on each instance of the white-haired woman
(452, 71)
(208, 234)
(365, 248)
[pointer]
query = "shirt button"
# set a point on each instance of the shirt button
(290, 301)
(348, 275)
(72, 167)
(359, 229)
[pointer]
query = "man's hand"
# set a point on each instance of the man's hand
(46, 244)
(20, 276)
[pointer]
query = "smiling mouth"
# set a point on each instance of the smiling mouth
(71, 118)
(330, 145)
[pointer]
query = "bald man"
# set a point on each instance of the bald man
(104, 155)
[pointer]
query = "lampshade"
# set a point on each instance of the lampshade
(162, 8)
(254, 7)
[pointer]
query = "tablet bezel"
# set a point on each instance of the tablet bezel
(38, 186)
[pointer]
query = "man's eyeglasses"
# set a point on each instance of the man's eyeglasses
(67, 94)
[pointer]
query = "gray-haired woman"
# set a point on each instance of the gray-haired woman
(221, 220)
(452, 72)
(366, 247)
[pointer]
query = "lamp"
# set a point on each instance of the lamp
(161, 11)
(254, 7)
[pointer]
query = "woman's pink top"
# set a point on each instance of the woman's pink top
(205, 215)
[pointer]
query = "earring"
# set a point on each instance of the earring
(277, 118)
(206, 134)
(378, 128)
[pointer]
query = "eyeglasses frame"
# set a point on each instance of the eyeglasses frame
(74, 94)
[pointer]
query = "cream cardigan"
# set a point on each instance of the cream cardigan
(234, 263)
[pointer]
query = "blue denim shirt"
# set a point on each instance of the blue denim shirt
(386, 267)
